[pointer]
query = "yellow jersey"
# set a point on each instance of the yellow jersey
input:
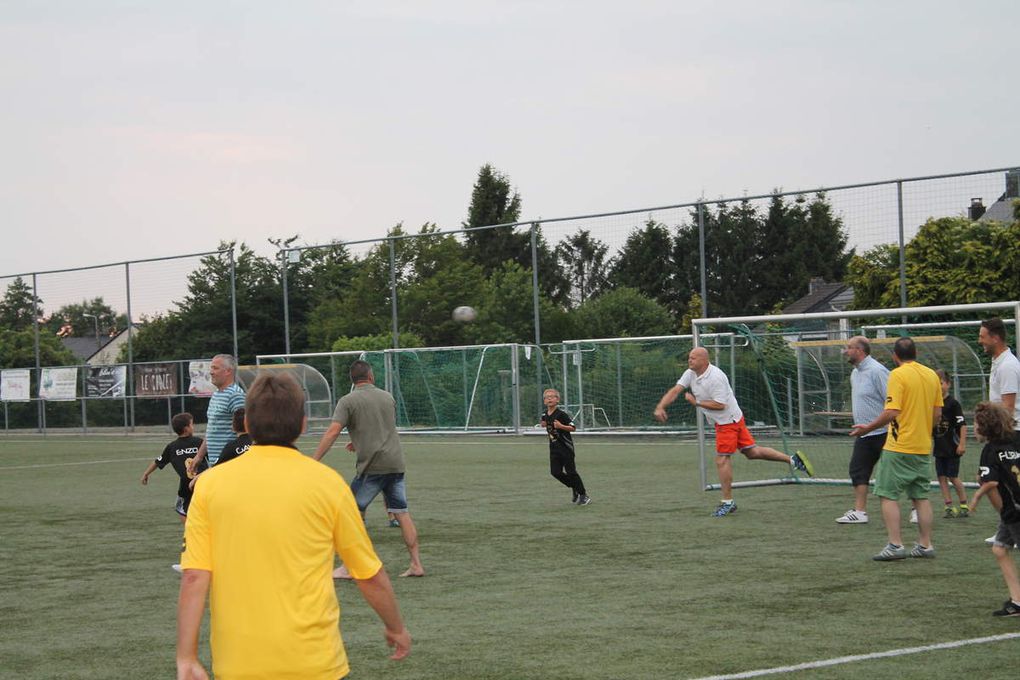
(266, 526)
(914, 390)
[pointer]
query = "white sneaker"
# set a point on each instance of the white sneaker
(176, 567)
(990, 540)
(913, 516)
(853, 517)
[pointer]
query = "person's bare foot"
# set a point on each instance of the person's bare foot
(413, 572)
(342, 573)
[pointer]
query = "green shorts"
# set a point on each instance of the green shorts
(899, 473)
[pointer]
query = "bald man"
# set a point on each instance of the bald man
(706, 387)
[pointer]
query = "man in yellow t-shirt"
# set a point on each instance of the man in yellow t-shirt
(260, 540)
(913, 403)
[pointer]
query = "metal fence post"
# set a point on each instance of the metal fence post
(286, 302)
(40, 414)
(701, 259)
(233, 301)
(130, 345)
(393, 293)
(903, 254)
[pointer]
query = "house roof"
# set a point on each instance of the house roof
(824, 297)
(1000, 211)
(84, 348)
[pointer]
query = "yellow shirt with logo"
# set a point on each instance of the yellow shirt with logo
(266, 526)
(914, 390)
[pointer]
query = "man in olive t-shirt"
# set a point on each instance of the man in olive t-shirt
(370, 416)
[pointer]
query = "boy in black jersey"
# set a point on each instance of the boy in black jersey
(999, 475)
(561, 446)
(238, 445)
(950, 442)
(176, 454)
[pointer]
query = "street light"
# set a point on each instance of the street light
(95, 321)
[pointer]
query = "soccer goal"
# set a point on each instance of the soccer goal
(793, 382)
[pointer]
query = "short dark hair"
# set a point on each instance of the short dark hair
(360, 370)
(994, 423)
(275, 409)
(237, 424)
(995, 327)
(181, 421)
(905, 349)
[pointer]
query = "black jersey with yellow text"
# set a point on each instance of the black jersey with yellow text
(1000, 462)
(947, 429)
(559, 440)
(175, 453)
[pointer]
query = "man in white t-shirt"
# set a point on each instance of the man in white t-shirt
(1004, 381)
(708, 389)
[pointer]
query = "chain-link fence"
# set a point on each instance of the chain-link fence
(869, 214)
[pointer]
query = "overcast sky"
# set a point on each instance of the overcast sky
(140, 129)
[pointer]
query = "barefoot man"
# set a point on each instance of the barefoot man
(370, 416)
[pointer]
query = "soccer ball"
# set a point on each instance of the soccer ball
(464, 314)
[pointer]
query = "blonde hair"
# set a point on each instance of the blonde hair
(553, 390)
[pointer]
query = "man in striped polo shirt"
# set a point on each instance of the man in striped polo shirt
(228, 398)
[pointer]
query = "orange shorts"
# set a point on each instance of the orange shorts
(732, 436)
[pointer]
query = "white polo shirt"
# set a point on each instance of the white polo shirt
(1005, 379)
(713, 385)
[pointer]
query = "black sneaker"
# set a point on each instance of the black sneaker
(1009, 608)
(583, 500)
(574, 499)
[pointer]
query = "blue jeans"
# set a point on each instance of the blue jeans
(391, 485)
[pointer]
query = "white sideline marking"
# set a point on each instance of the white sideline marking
(83, 462)
(861, 657)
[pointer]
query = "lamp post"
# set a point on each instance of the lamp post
(95, 322)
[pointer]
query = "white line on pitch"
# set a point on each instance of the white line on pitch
(83, 462)
(861, 657)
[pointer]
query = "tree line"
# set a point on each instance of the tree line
(758, 260)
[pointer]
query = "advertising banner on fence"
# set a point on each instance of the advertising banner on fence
(201, 384)
(58, 384)
(105, 381)
(14, 384)
(155, 380)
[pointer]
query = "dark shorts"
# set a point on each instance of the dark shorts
(1007, 535)
(390, 485)
(947, 467)
(867, 451)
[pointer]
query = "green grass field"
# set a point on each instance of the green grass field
(643, 583)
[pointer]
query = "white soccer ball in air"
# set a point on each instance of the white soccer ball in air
(464, 314)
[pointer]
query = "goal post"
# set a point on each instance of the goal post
(793, 383)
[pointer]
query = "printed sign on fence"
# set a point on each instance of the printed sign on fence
(156, 380)
(58, 384)
(201, 384)
(14, 384)
(105, 381)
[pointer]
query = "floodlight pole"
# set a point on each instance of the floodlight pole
(393, 293)
(286, 301)
(701, 259)
(903, 256)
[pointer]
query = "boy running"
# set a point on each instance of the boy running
(179, 453)
(559, 425)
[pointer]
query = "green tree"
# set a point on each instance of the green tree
(622, 312)
(17, 311)
(583, 258)
(645, 264)
(494, 202)
(73, 317)
(950, 260)
(375, 343)
(17, 349)
(505, 313)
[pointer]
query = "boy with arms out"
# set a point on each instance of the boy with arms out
(559, 425)
(950, 443)
(179, 454)
(273, 607)
(999, 475)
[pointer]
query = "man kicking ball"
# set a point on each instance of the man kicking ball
(708, 388)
